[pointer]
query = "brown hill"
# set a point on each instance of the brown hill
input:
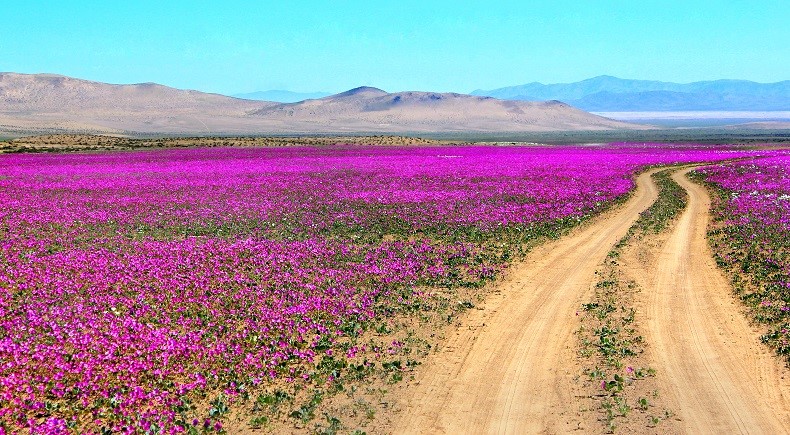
(49, 103)
(376, 110)
(43, 102)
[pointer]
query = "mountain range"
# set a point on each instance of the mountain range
(53, 103)
(372, 109)
(612, 94)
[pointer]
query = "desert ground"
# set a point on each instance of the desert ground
(439, 218)
(592, 325)
(511, 367)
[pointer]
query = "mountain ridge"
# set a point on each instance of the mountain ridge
(30, 102)
(609, 93)
(433, 111)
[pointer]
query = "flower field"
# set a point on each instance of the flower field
(155, 292)
(752, 238)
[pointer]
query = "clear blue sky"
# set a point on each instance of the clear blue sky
(241, 46)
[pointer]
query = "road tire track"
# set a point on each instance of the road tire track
(711, 366)
(510, 367)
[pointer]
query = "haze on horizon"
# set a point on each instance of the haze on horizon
(246, 46)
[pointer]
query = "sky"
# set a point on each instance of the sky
(244, 46)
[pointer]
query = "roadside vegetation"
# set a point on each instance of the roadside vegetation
(285, 289)
(615, 375)
(750, 239)
(86, 142)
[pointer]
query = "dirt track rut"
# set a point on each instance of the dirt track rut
(509, 367)
(716, 375)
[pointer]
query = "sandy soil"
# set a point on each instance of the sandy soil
(510, 367)
(712, 369)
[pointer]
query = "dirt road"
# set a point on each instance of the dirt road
(509, 368)
(712, 369)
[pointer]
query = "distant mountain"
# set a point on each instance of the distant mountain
(42, 93)
(46, 103)
(611, 94)
(282, 96)
(55, 103)
(372, 109)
